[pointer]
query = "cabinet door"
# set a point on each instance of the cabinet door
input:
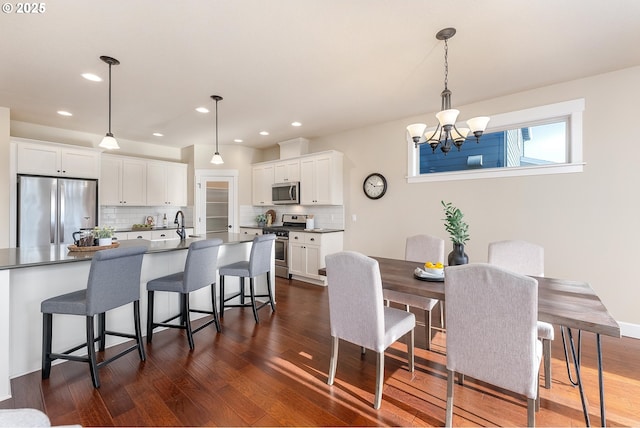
(262, 180)
(156, 184)
(111, 181)
(307, 182)
(297, 259)
(38, 159)
(321, 180)
(286, 171)
(322, 170)
(134, 182)
(79, 163)
(313, 260)
(176, 185)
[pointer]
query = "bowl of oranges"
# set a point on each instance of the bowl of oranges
(434, 268)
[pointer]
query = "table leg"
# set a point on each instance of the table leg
(603, 415)
(566, 355)
(579, 378)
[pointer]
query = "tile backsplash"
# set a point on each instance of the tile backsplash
(326, 216)
(121, 217)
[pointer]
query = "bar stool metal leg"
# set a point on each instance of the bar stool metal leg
(47, 321)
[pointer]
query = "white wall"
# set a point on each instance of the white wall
(586, 221)
(5, 180)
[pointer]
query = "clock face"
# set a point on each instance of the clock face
(374, 186)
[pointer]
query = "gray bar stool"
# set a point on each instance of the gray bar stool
(114, 281)
(259, 263)
(199, 272)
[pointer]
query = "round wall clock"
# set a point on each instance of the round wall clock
(374, 186)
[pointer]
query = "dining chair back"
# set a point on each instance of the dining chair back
(420, 249)
(357, 313)
(491, 330)
(518, 256)
(525, 258)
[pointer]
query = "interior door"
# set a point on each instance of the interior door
(216, 204)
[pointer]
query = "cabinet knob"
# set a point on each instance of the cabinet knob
(312, 239)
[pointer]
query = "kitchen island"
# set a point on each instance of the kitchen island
(30, 275)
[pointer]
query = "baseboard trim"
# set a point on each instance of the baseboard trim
(630, 330)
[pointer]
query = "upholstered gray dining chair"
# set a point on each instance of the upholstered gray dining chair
(525, 258)
(420, 249)
(259, 263)
(357, 313)
(492, 331)
(114, 281)
(199, 272)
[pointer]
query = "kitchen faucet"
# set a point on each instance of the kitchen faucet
(180, 230)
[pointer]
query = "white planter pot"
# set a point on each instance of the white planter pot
(104, 241)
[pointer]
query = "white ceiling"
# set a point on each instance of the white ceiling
(330, 64)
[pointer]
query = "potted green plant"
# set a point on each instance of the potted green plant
(103, 234)
(458, 230)
(261, 219)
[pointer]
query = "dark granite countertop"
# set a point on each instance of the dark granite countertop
(14, 258)
(319, 230)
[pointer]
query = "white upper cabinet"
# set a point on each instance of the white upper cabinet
(321, 179)
(263, 179)
(58, 160)
(286, 171)
(166, 183)
(123, 181)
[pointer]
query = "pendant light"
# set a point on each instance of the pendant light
(109, 142)
(217, 159)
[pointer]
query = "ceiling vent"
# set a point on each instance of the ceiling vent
(293, 148)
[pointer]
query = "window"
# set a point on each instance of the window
(541, 140)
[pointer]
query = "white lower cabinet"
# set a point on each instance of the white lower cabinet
(251, 231)
(152, 235)
(307, 252)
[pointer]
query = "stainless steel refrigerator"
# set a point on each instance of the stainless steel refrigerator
(50, 209)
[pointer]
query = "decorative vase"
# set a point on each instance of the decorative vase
(458, 256)
(103, 242)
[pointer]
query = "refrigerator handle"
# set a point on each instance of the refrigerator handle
(61, 216)
(53, 220)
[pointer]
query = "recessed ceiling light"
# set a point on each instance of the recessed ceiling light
(264, 133)
(202, 110)
(157, 134)
(64, 113)
(92, 77)
(296, 124)
(238, 140)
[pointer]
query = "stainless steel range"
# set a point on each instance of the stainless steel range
(290, 222)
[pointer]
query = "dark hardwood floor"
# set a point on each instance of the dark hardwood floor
(274, 374)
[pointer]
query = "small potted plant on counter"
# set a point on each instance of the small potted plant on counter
(261, 219)
(103, 235)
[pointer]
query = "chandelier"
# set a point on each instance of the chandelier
(447, 133)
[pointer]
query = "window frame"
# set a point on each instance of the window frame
(571, 111)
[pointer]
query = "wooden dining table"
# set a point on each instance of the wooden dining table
(572, 305)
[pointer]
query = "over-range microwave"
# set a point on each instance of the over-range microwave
(285, 193)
